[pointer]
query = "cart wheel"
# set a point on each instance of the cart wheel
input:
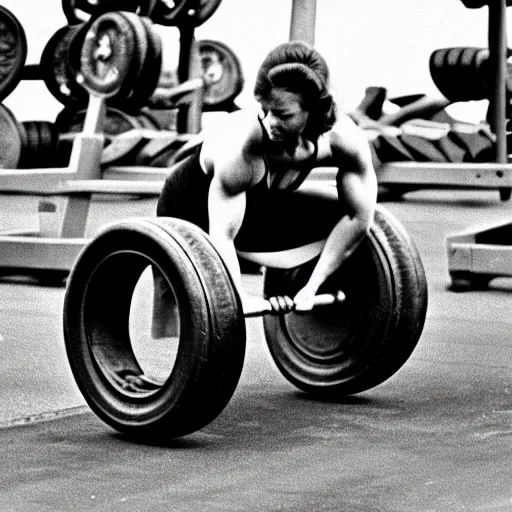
(464, 280)
(505, 193)
(141, 386)
(356, 345)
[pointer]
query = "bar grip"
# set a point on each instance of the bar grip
(325, 299)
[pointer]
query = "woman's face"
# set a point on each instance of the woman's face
(285, 119)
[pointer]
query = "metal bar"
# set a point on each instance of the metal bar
(482, 175)
(498, 60)
(26, 252)
(37, 182)
(303, 21)
(480, 258)
(189, 115)
(326, 299)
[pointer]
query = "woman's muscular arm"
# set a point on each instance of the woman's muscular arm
(357, 188)
(231, 156)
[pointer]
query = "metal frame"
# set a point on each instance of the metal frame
(477, 256)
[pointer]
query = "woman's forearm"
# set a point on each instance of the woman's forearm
(341, 243)
(226, 248)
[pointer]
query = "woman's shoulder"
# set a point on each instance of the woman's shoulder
(234, 141)
(345, 136)
(237, 129)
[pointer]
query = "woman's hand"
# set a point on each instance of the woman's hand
(304, 300)
(281, 304)
(253, 303)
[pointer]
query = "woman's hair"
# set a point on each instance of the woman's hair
(299, 68)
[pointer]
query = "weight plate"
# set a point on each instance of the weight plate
(166, 11)
(184, 12)
(222, 73)
(80, 11)
(143, 89)
(136, 75)
(107, 54)
(59, 66)
(29, 155)
(13, 52)
(206, 9)
(12, 139)
(47, 143)
(40, 148)
(73, 14)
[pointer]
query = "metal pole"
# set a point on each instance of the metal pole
(189, 116)
(303, 22)
(498, 64)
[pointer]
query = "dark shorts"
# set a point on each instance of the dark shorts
(273, 221)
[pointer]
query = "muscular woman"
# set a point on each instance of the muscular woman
(246, 186)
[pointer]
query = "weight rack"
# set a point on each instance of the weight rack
(67, 192)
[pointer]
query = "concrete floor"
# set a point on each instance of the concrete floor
(435, 437)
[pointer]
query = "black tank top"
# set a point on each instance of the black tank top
(263, 184)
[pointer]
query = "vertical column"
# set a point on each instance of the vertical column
(189, 116)
(303, 22)
(498, 63)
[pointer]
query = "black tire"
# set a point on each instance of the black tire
(354, 346)
(212, 329)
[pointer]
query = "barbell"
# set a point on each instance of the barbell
(325, 299)
(351, 345)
